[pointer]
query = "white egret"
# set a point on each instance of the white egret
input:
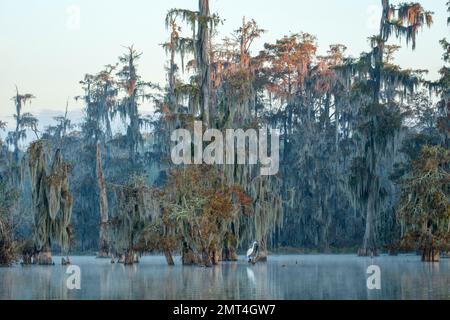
(252, 253)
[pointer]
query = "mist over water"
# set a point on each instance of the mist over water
(282, 277)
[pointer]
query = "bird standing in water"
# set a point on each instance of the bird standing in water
(252, 253)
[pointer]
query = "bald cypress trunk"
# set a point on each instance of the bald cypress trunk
(7, 255)
(172, 75)
(203, 60)
(188, 256)
(45, 255)
(430, 255)
(169, 257)
(369, 247)
(262, 252)
(130, 257)
(229, 248)
(429, 252)
(103, 200)
(206, 258)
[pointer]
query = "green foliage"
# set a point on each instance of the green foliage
(424, 208)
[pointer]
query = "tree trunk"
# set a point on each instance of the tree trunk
(27, 251)
(172, 79)
(26, 259)
(103, 200)
(121, 258)
(430, 255)
(262, 250)
(130, 258)
(206, 258)
(229, 254)
(7, 255)
(169, 257)
(45, 256)
(65, 261)
(188, 256)
(429, 252)
(229, 247)
(217, 256)
(369, 244)
(203, 60)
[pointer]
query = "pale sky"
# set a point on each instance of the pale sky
(44, 52)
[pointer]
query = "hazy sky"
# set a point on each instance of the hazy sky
(45, 52)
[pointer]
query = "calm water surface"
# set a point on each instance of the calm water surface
(282, 277)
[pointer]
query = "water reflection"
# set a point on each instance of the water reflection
(283, 277)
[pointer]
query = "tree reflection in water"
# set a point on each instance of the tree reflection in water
(282, 277)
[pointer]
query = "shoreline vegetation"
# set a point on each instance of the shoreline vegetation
(364, 152)
(284, 251)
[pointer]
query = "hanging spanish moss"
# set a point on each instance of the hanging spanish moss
(52, 202)
(136, 206)
(8, 198)
(104, 248)
(7, 248)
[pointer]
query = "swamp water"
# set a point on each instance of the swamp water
(282, 277)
